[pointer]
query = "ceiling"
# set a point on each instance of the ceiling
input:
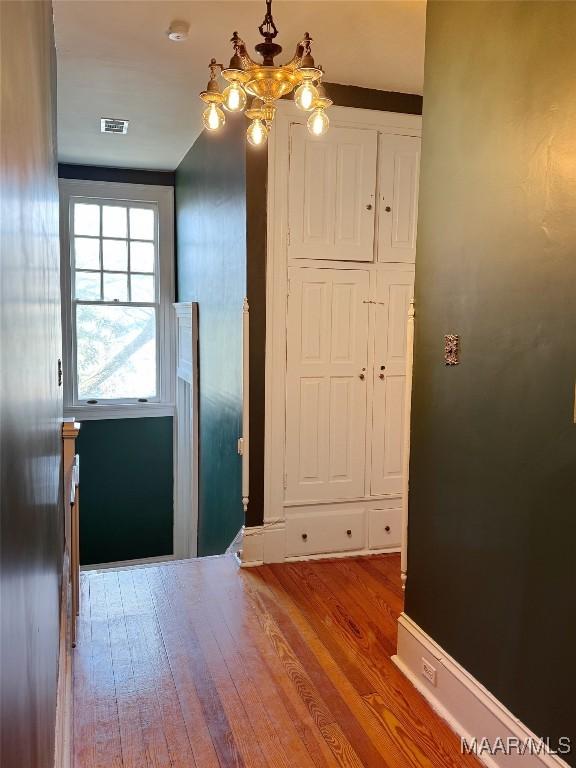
(115, 60)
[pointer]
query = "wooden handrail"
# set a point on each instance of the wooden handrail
(71, 467)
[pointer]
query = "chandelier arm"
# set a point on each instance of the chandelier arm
(296, 60)
(240, 51)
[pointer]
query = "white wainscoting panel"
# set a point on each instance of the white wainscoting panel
(186, 433)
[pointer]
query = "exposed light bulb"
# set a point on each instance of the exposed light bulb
(234, 98)
(213, 117)
(318, 122)
(305, 96)
(257, 133)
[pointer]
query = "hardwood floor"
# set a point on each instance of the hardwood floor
(198, 664)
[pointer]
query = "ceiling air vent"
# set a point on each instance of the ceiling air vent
(113, 125)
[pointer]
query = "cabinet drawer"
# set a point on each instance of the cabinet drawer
(331, 531)
(384, 528)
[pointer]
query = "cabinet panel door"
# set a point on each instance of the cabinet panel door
(394, 290)
(325, 394)
(331, 197)
(399, 171)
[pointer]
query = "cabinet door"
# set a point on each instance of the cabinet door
(398, 203)
(331, 197)
(326, 384)
(394, 290)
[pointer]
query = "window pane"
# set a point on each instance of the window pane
(86, 253)
(115, 254)
(142, 223)
(142, 257)
(116, 352)
(114, 221)
(142, 287)
(115, 286)
(86, 219)
(87, 286)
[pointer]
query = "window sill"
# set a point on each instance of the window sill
(141, 411)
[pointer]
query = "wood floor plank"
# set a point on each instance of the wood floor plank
(153, 664)
(146, 680)
(129, 722)
(269, 718)
(347, 678)
(193, 695)
(312, 684)
(380, 627)
(382, 675)
(289, 710)
(394, 692)
(256, 748)
(378, 592)
(84, 741)
(349, 642)
(252, 681)
(198, 664)
(107, 743)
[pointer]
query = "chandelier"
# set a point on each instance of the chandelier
(265, 83)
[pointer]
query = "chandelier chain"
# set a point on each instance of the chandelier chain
(268, 29)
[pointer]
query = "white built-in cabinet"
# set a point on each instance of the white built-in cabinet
(326, 382)
(332, 191)
(352, 195)
(398, 167)
(342, 234)
(392, 295)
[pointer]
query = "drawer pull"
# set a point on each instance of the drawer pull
(349, 532)
(387, 529)
(304, 536)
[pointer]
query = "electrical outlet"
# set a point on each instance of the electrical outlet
(428, 671)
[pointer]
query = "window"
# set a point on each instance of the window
(118, 282)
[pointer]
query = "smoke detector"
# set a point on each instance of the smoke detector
(178, 31)
(113, 125)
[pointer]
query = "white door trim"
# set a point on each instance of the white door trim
(185, 432)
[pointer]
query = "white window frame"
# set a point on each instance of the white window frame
(162, 198)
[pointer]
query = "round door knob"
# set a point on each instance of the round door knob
(381, 376)
(387, 209)
(349, 532)
(361, 376)
(387, 529)
(304, 536)
(369, 207)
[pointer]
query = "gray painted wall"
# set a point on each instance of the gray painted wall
(492, 571)
(31, 530)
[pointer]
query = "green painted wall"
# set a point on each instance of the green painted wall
(211, 268)
(126, 489)
(492, 571)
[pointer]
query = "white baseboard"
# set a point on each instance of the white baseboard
(466, 705)
(267, 544)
